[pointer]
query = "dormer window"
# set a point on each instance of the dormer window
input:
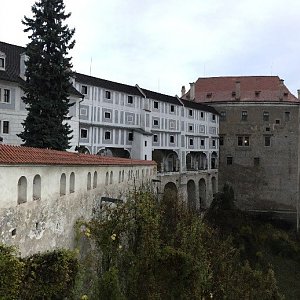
(2, 61)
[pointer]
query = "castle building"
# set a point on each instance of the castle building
(115, 119)
(259, 139)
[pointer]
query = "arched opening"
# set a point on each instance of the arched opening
(111, 178)
(72, 183)
(95, 180)
(214, 185)
(36, 193)
(114, 152)
(89, 181)
(191, 191)
(63, 184)
(214, 160)
(189, 161)
(106, 178)
(123, 176)
(167, 160)
(203, 161)
(82, 149)
(202, 193)
(170, 190)
(22, 190)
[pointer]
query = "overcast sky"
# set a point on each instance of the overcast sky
(164, 44)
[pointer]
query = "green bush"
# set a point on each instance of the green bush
(11, 273)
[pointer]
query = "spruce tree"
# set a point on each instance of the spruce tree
(48, 72)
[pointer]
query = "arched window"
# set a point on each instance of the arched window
(22, 190)
(36, 194)
(111, 177)
(106, 178)
(147, 173)
(89, 181)
(72, 183)
(63, 185)
(95, 180)
(122, 175)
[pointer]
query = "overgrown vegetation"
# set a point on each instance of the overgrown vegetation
(49, 275)
(160, 250)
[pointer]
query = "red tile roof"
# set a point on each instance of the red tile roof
(36, 156)
(252, 88)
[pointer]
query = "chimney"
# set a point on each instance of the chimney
(281, 89)
(298, 94)
(192, 91)
(238, 90)
(182, 90)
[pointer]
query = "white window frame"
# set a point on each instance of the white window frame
(155, 103)
(107, 139)
(84, 130)
(107, 115)
(108, 95)
(172, 137)
(84, 87)
(2, 59)
(4, 122)
(130, 99)
(83, 111)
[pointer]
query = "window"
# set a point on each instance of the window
(107, 135)
(36, 189)
(155, 104)
(130, 136)
(72, 183)
(155, 122)
(191, 142)
(107, 94)
(22, 190)
(84, 89)
(202, 143)
(287, 116)
(155, 138)
(107, 115)
(214, 143)
(256, 161)
(190, 112)
(63, 184)
(111, 177)
(202, 114)
(191, 128)
(145, 157)
(229, 160)
(223, 116)
(83, 133)
(267, 141)
(83, 111)
(2, 63)
(172, 108)
(266, 116)
(6, 96)
(5, 128)
(243, 141)
(221, 141)
(277, 121)
(106, 178)
(145, 143)
(213, 118)
(172, 139)
(89, 181)
(267, 128)
(130, 100)
(95, 180)
(244, 115)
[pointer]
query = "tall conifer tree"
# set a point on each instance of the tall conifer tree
(48, 72)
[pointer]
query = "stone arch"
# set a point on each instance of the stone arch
(36, 189)
(63, 184)
(214, 185)
(82, 149)
(114, 152)
(95, 180)
(72, 183)
(170, 190)
(171, 162)
(22, 190)
(191, 192)
(214, 160)
(202, 193)
(89, 181)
